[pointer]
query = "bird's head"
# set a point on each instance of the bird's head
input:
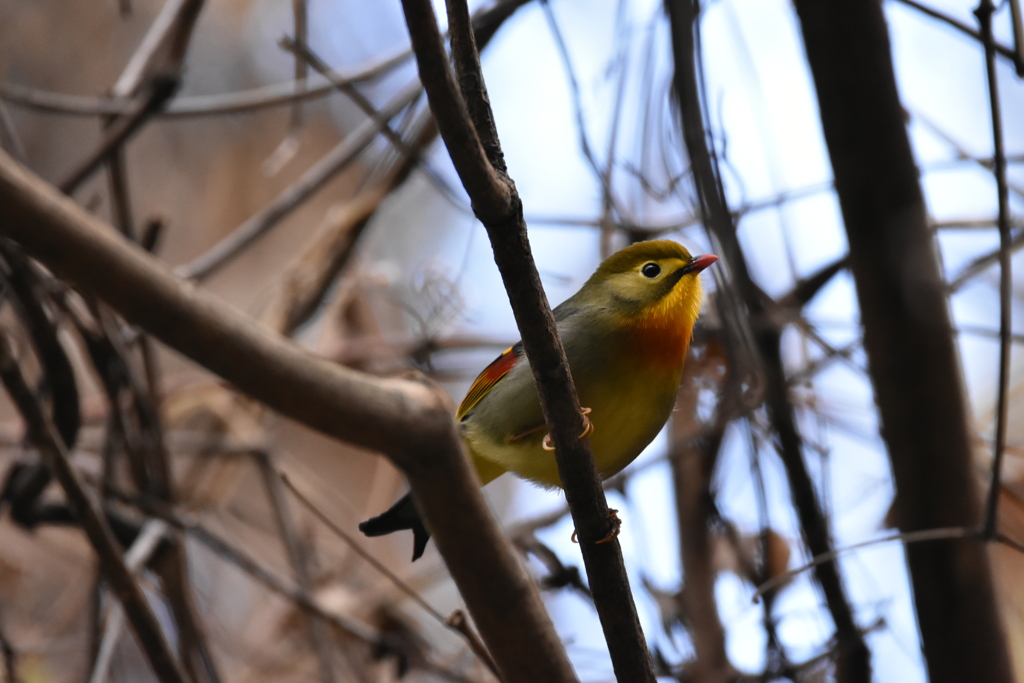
(654, 282)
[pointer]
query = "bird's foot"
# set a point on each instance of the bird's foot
(613, 534)
(616, 525)
(588, 428)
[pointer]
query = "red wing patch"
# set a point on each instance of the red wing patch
(490, 376)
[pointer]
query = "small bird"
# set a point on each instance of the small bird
(625, 332)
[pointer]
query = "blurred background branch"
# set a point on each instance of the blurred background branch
(845, 444)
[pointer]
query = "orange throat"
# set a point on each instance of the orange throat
(663, 331)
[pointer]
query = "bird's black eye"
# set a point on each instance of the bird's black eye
(651, 270)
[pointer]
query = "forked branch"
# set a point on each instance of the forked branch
(464, 119)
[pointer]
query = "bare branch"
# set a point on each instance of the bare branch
(87, 509)
(410, 421)
(944, 534)
(145, 104)
(297, 555)
(984, 13)
(1002, 50)
(692, 461)
(484, 185)
(312, 180)
(497, 205)
(462, 630)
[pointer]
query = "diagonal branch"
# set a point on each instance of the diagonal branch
(498, 206)
(408, 420)
(1002, 50)
(484, 185)
(298, 555)
(146, 104)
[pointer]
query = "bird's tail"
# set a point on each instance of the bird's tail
(401, 515)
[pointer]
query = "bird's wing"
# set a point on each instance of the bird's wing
(504, 363)
(490, 376)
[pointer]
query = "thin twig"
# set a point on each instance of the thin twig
(410, 151)
(277, 585)
(146, 543)
(240, 559)
(9, 138)
(298, 556)
(145, 104)
(1002, 50)
(984, 13)
(574, 89)
(162, 49)
(390, 575)
(458, 621)
(332, 163)
(904, 537)
(984, 262)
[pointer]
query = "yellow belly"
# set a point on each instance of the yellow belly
(625, 418)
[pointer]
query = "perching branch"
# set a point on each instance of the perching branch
(469, 134)
(408, 420)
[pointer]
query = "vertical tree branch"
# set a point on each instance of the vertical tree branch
(497, 205)
(911, 354)
(471, 81)
(692, 461)
(984, 13)
(853, 659)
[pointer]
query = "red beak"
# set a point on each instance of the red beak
(699, 263)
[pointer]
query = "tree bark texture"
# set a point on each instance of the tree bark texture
(911, 355)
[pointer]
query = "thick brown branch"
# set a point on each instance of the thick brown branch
(410, 421)
(911, 355)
